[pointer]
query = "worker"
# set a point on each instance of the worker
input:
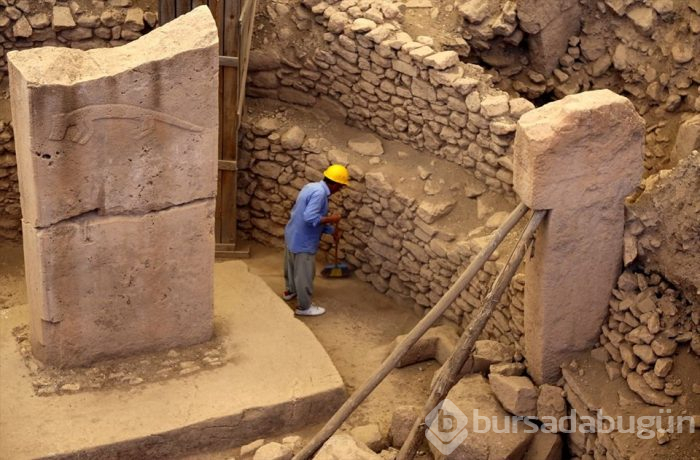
(302, 235)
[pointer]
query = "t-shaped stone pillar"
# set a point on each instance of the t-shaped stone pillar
(117, 161)
(578, 157)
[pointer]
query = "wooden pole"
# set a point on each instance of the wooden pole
(416, 333)
(449, 373)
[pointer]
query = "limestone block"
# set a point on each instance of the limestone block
(369, 435)
(551, 403)
(638, 385)
(99, 116)
(471, 394)
(117, 173)
(551, 23)
(442, 60)
(437, 343)
(489, 352)
(62, 18)
(22, 28)
(293, 138)
(687, 139)
(516, 394)
(273, 451)
(555, 170)
(578, 157)
(250, 448)
(433, 208)
(106, 286)
(343, 446)
(545, 446)
(642, 17)
(362, 25)
(401, 422)
(366, 144)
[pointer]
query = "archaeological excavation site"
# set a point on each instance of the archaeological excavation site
(350, 229)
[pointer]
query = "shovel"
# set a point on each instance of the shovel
(337, 269)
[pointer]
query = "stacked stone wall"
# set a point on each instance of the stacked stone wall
(10, 212)
(393, 239)
(28, 24)
(402, 88)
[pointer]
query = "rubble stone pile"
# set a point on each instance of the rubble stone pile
(646, 49)
(649, 323)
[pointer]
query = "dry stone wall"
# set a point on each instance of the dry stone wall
(10, 212)
(395, 240)
(404, 88)
(28, 24)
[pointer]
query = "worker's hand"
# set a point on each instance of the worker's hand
(337, 234)
(331, 219)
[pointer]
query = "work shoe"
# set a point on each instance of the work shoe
(313, 310)
(286, 295)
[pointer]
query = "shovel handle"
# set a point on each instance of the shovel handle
(336, 251)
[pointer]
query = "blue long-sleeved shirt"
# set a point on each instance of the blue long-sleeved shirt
(303, 231)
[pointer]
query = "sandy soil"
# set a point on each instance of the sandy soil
(441, 21)
(355, 331)
(358, 326)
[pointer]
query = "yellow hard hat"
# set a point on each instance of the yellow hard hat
(337, 173)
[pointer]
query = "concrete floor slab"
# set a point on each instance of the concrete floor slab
(278, 378)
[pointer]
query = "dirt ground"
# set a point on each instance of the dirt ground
(355, 331)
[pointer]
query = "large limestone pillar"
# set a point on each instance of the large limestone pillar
(117, 159)
(578, 157)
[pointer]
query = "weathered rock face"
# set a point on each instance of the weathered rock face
(32, 24)
(550, 24)
(578, 157)
(669, 214)
(516, 394)
(687, 139)
(118, 178)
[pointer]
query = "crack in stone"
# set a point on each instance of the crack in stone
(78, 218)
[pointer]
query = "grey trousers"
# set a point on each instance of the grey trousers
(299, 272)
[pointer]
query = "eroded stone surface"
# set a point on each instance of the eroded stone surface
(668, 211)
(343, 446)
(117, 160)
(578, 157)
(99, 116)
(105, 286)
